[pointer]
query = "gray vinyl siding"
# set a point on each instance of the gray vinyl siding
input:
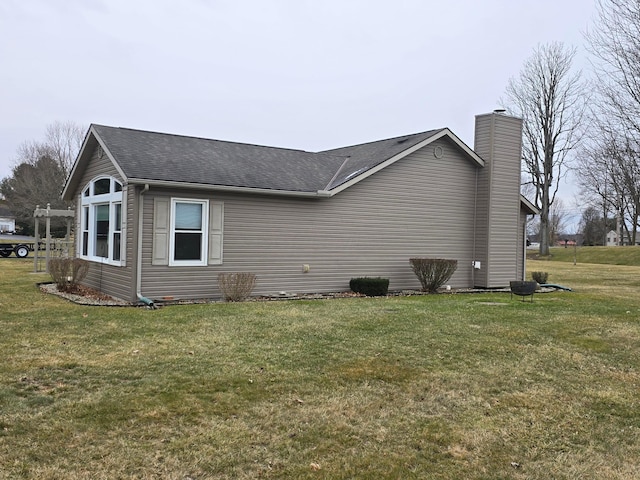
(421, 206)
(522, 228)
(498, 142)
(483, 198)
(112, 280)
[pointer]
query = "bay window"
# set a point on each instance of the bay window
(101, 221)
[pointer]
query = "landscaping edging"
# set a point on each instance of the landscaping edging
(106, 301)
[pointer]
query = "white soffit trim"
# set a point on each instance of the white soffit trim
(529, 205)
(442, 133)
(463, 146)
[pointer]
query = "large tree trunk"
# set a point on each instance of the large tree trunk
(544, 223)
(551, 101)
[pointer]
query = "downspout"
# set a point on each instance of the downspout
(475, 226)
(141, 298)
(524, 234)
(524, 246)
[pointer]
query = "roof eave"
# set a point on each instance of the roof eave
(225, 188)
(529, 206)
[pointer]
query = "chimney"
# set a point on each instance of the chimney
(499, 222)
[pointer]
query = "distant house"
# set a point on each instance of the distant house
(7, 220)
(565, 242)
(613, 239)
(569, 240)
(160, 215)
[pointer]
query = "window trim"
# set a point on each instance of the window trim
(88, 225)
(204, 232)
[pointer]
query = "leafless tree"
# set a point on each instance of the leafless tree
(614, 43)
(609, 177)
(41, 171)
(596, 178)
(594, 226)
(62, 142)
(551, 99)
(526, 189)
(557, 222)
(65, 139)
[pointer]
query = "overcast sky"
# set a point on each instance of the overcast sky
(301, 74)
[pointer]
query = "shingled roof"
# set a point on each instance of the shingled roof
(364, 157)
(160, 158)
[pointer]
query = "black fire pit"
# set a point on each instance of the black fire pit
(523, 288)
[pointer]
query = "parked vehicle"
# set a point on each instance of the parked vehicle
(21, 250)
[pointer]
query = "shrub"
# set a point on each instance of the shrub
(236, 287)
(67, 273)
(540, 277)
(371, 287)
(433, 272)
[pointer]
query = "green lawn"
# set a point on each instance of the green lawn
(602, 255)
(451, 386)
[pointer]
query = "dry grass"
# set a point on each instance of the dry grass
(629, 255)
(439, 386)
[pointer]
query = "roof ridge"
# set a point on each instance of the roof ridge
(209, 139)
(321, 152)
(433, 131)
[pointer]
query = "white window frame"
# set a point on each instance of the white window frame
(89, 200)
(117, 229)
(204, 232)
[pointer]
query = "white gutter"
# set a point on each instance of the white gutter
(141, 298)
(223, 188)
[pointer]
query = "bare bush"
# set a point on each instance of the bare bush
(67, 273)
(433, 272)
(540, 277)
(236, 287)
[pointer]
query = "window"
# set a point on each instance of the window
(101, 221)
(187, 231)
(188, 235)
(85, 231)
(117, 231)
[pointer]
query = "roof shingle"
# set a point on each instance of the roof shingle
(143, 155)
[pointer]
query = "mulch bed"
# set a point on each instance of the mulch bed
(89, 296)
(84, 295)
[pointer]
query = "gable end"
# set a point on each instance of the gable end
(92, 147)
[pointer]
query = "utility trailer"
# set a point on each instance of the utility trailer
(21, 250)
(20, 245)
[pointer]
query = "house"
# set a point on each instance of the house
(162, 215)
(7, 220)
(566, 242)
(613, 239)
